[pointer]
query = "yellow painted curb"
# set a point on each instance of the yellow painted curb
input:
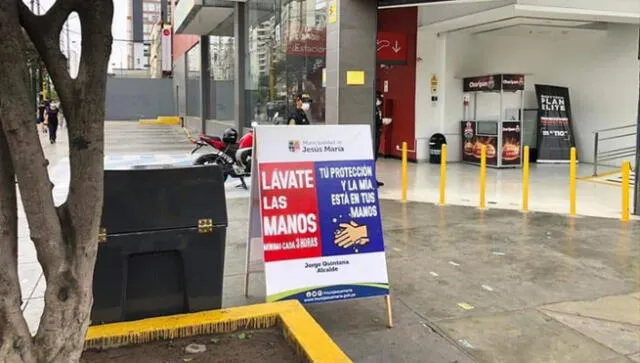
(169, 120)
(149, 122)
(298, 326)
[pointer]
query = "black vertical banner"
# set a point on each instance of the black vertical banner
(555, 136)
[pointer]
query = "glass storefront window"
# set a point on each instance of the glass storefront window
(285, 55)
(193, 81)
(222, 58)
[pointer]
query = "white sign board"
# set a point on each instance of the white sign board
(315, 216)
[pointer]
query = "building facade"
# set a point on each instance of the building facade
(142, 16)
(417, 53)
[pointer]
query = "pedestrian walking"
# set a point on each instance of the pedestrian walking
(51, 120)
(43, 108)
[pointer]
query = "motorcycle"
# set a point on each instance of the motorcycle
(233, 155)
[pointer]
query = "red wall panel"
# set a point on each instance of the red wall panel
(401, 79)
(182, 43)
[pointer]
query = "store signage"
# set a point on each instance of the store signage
(309, 44)
(434, 83)
(555, 136)
(472, 144)
(305, 48)
(391, 48)
(167, 61)
(332, 11)
(319, 223)
(494, 83)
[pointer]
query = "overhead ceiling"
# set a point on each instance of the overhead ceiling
(201, 17)
(523, 26)
(206, 19)
(524, 19)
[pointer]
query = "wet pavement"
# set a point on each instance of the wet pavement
(502, 286)
(467, 285)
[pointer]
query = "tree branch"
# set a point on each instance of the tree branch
(96, 15)
(86, 152)
(44, 31)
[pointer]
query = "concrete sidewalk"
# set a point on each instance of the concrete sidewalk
(489, 286)
(501, 285)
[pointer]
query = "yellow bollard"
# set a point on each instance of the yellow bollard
(443, 173)
(525, 180)
(405, 171)
(572, 183)
(483, 177)
(626, 175)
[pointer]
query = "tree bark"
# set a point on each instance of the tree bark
(65, 237)
(15, 340)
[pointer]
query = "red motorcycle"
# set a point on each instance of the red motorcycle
(233, 155)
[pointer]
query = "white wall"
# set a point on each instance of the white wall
(600, 68)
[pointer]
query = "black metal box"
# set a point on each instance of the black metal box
(162, 243)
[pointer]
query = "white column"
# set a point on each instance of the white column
(430, 119)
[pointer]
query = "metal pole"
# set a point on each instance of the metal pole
(626, 170)
(572, 183)
(35, 7)
(405, 172)
(164, 7)
(239, 64)
(178, 101)
(525, 180)
(500, 118)
(595, 153)
(483, 177)
(443, 174)
(636, 204)
(205, 82)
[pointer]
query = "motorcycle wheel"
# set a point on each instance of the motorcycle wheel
(212, 160)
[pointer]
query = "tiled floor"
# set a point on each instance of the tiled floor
(549, 188)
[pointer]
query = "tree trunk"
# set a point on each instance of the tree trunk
(65, 237)
(15, 341)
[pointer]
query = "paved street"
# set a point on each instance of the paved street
(467, 285)
(504, 286)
